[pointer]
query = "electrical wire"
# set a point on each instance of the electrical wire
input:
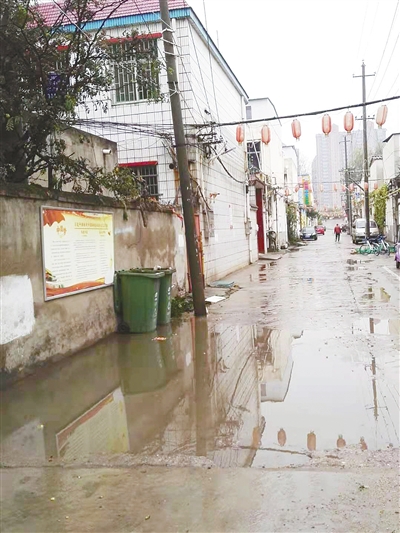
(211, 67)
(387, 66)
(362, 29)
(201, 72)
(384, 50)
(308, 114)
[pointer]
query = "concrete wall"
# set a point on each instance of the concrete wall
(82, 145)
(34, 330)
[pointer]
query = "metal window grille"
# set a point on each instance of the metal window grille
(135, 78)
(254, 156)
(149, 175)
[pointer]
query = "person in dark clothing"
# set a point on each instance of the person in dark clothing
(337, 231)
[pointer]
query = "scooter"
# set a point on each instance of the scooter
(397, 252)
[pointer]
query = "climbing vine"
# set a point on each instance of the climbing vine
(379, 198)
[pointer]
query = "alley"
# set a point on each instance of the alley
(295, 374)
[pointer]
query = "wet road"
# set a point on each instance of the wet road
(303, 358)
(306, 351)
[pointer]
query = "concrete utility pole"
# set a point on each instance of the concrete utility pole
(349, 207)
(365, 146)
(183, 165)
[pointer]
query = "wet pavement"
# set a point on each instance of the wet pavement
(298, 367)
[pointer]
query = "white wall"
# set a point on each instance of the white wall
(391, 164)
(272, 164)
(205, 84)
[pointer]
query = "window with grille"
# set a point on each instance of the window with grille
(149, 175)
(135, 75)
(254, 156)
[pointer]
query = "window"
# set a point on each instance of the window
(249, 114)
(254, 156)
(149, 174)
(135, 76)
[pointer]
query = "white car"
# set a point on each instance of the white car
(359, 230)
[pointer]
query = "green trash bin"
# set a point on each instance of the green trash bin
(164, 301)
(136, 295)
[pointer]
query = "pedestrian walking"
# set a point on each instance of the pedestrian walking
(337, 231)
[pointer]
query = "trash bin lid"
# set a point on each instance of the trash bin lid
(167, 270)
(141, 273)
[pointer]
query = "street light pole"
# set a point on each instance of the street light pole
(365, 147)
(183, 165)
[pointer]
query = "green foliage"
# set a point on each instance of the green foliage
(313, 213)
(379, 199)
(78, 65)
(291, 215)
(180, 305)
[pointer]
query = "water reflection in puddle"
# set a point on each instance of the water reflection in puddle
(377, 294)
(238, 395)
(377, 326)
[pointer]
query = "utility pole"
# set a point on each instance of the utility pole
(183, 165)
(349, 207)
(365, 147)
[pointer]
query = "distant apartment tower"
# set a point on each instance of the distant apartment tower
(375, 138)
(326, 168)
(329, 164)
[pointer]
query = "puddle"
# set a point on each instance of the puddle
(237, 395)
(377, 294)
(377, 326)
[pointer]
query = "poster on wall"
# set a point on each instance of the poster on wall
(78, 251)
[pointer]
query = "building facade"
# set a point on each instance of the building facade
(211, 95)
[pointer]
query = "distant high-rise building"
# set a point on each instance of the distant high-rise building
(329, 164)
(375, 138)
(326, 170)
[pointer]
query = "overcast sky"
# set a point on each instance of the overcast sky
(302, 54)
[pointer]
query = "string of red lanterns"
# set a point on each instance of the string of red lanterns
(348, 124)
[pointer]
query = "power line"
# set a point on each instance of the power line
(362, 30)
(209, 56)
(384, 50)
(309, 114)
(387, 66)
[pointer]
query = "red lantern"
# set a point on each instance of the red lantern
(239, 133)
(343, 188)
(375, 185)
(381, 115)
(265, 134)
(326, 124)
(349, 121)
(296, 129)
(351, 187)
(366, 186)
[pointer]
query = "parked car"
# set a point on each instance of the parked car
(320, 230)
(308, 234)
(359, 230)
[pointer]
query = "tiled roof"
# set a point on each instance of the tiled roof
(51, 13)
